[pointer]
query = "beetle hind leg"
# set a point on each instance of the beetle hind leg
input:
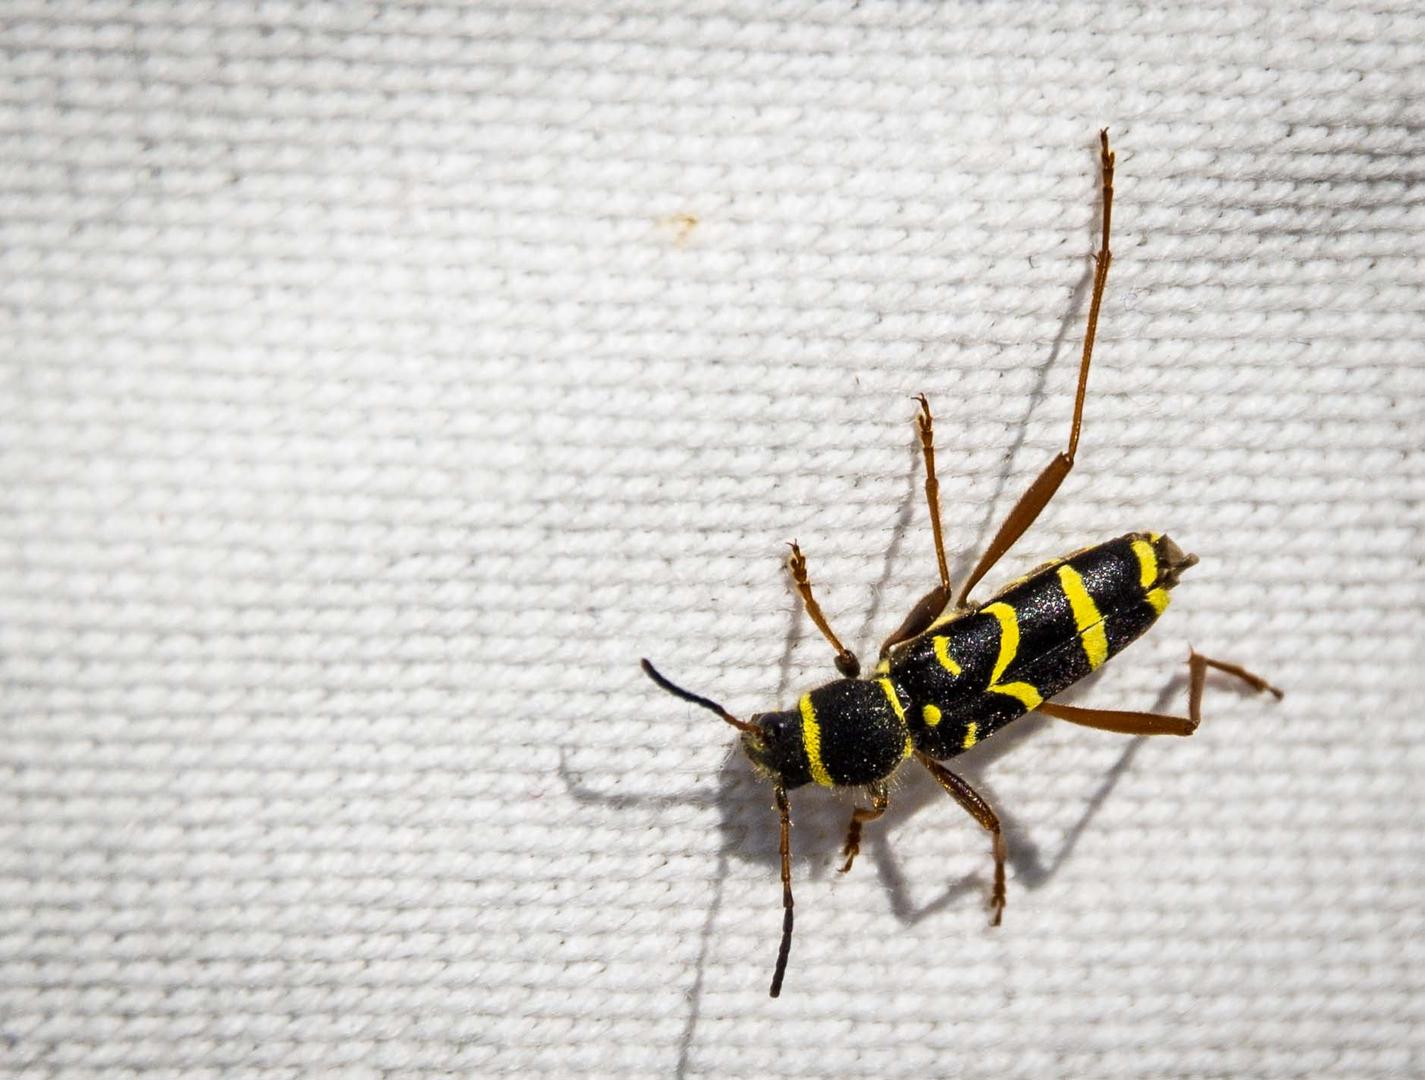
(1197, 679)
(1033, 501)
(1126, 722)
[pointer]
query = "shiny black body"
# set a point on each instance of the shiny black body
(974, 670)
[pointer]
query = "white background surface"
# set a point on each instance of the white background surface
(371, 403)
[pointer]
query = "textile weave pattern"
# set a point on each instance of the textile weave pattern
(378, 382)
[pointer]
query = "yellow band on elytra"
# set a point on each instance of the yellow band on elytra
(1026, 694)
(1147, 563)
(1087, 620)
(1008, 636)
(942, 653)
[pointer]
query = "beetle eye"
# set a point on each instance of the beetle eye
(774, 728)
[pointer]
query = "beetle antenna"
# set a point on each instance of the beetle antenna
(687, 695)
(784, 950)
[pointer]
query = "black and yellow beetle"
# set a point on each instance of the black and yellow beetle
(954, 674)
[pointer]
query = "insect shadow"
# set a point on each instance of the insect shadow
(747, 828)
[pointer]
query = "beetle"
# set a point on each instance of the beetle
(955, 672)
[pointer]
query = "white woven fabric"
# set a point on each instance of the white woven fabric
(382, 381)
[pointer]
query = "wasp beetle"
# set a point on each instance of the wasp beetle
(956, 672)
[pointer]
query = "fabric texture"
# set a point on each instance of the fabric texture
(382, 381)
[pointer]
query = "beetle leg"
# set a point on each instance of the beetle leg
(846, 661)
(980, 810)
(880, 799)
(1033, 501)
(1145, 723)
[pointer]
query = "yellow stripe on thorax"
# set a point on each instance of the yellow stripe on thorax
(1087, 620)
(1008, 647)
(811, 741)
(893, 698)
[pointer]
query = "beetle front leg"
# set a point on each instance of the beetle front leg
(846, 661)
